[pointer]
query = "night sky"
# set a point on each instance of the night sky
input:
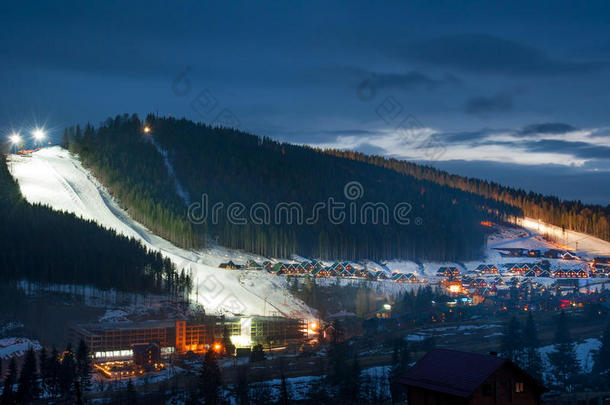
(516, 92)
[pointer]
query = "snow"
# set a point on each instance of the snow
(114, 316)
(573, 240)
(584, 353)
(16, 346)
(53, 177)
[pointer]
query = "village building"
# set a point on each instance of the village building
(453, 377)
(229, 266)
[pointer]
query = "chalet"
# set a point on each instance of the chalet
(229, 266)
(338, 267)
(450, 377)
(530, 273)
(400, 277)
(582, 274)
(487, 269)
(291, 269)
(252, 265)
(515, 268)
(544, 273)
(534, 253)
(307, 266)
(324, 272)
(317, 264)
(553, 254)
(359, 273)
(498, 281)
(448, 272)
(559, 274)
(478, 282)
(279, 268)
(571, 274)
(537, 269)
(345, 273)
(347, 266)
(380, 275)
(525, 267)
(569, 256)
(369, 275)
(514, 252)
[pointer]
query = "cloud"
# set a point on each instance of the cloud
(483, 53)
(547, 128)
(535, 144)
(579, 149)
(408, 80)
(498, 103)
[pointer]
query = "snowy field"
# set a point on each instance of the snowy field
(16, 346)
(53, 177)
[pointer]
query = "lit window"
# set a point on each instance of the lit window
(519, 387)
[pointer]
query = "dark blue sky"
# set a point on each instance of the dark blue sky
(516, 92)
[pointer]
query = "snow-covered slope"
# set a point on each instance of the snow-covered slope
(573, 240)
(53, 177)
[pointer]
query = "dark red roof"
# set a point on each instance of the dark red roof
(451, 371)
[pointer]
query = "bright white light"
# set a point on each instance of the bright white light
(39, 134)
(15, 138)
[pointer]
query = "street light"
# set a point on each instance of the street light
(15, 138)
(146, 129)
(39, 134)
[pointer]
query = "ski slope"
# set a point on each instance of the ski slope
(575, 241)
(51, 176)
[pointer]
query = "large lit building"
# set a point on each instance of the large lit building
(116, 340)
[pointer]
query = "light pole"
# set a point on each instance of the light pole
(39, 135)
(15, 140)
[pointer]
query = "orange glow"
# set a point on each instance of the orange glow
(486, 223)
(146, 129)
(217, 347)
(454, 288)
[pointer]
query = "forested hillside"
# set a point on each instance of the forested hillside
(573, 215)
(228, 166)
(46, 246)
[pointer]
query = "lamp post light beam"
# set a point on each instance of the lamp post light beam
(15, 140)
(39, 135)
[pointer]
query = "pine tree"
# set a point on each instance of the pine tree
(28, 378)
(564, 363)
(602, 357)
(53, 369)
(8, 395)
(532, 360)
(512, 342)
(400, 363)
(210, 379)
(43, 361)
(67, 371)
(83, 366)
(132, 394)
(242, 390)
(284, 398)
